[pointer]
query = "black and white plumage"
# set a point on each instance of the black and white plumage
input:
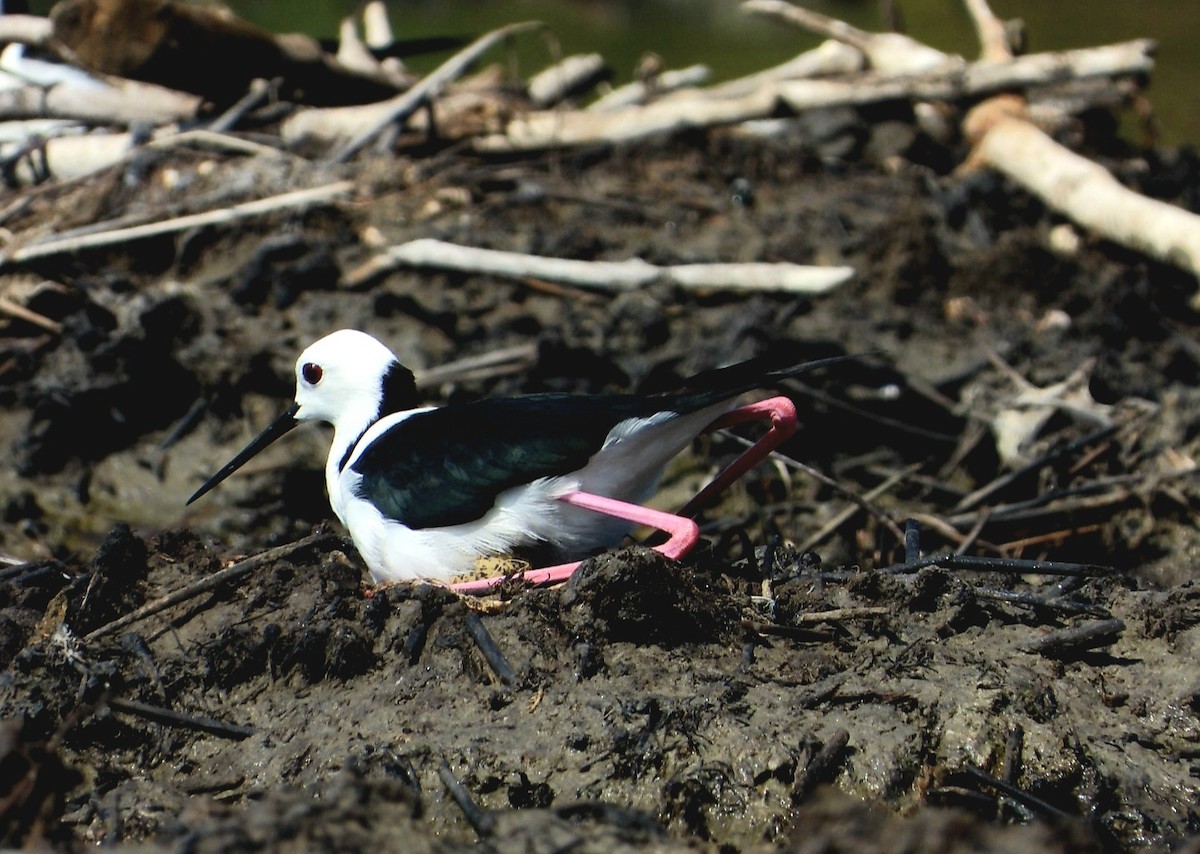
(425, 492)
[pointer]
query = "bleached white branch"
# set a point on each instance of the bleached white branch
(614, 275)
(1087, 193)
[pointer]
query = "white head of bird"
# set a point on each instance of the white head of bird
(340, 379)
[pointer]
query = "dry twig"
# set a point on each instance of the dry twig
(614, 275)
(223, 216)
(209, 582)
(402, 106)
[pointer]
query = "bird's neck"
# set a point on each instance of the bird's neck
(347, 430)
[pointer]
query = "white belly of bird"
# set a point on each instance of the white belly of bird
(626, 468)
(522, 516)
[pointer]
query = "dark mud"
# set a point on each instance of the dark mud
(772, 690)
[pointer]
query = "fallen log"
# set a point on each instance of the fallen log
(1082, 190)
(121, 102)
(1004, 138)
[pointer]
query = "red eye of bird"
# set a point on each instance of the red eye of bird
(311, 373)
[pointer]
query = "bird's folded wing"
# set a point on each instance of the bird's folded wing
(447, 466)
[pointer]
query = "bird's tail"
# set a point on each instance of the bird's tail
(713, 386)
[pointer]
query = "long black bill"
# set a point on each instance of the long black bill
(279, 426)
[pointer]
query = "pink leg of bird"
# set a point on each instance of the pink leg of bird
(782, 413)
(684, 533)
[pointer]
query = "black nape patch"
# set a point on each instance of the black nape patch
(399, 390)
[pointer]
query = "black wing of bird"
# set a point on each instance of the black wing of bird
(446, 466)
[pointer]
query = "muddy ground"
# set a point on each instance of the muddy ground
(774, 689)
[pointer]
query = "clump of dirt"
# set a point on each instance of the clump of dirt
(1017, 400)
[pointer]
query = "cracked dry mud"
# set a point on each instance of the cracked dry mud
(646, 705)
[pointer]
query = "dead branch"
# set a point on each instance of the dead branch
(124, 102)
(26, 29)
(209, 582)
(20, 312)
(616, 275)
(839, 615)
(547, 129)
(1070, 642)
(1084, 191)
(827, 59)
(403, 106)
(977, 79)
(72, 155)
(324, 126)
(993, 39)
(640, 91)
(887, 53)
(170, 717)
(352, 52)
(570, 74)
(507, 360)
(222, 216)
(377, 29)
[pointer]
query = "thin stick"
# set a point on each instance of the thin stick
(205, 584)
(162, 715)
(912, 539)
(403, 106)
(1078, 639)
(615, 275)
(793, 632)
(223, 216)
(1052, 537)
(837, 615)
(499, 362)
(1032, 600)
(481, 820)
(973, 535)
(993, 40)
(491, 652)
(216, 139)
(983, 493)
(887, 52)
(1018, 795)
(570, 74)
(257, 93)
(860, 501)
(639, 90)
(20, 312)
(1000, 564)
